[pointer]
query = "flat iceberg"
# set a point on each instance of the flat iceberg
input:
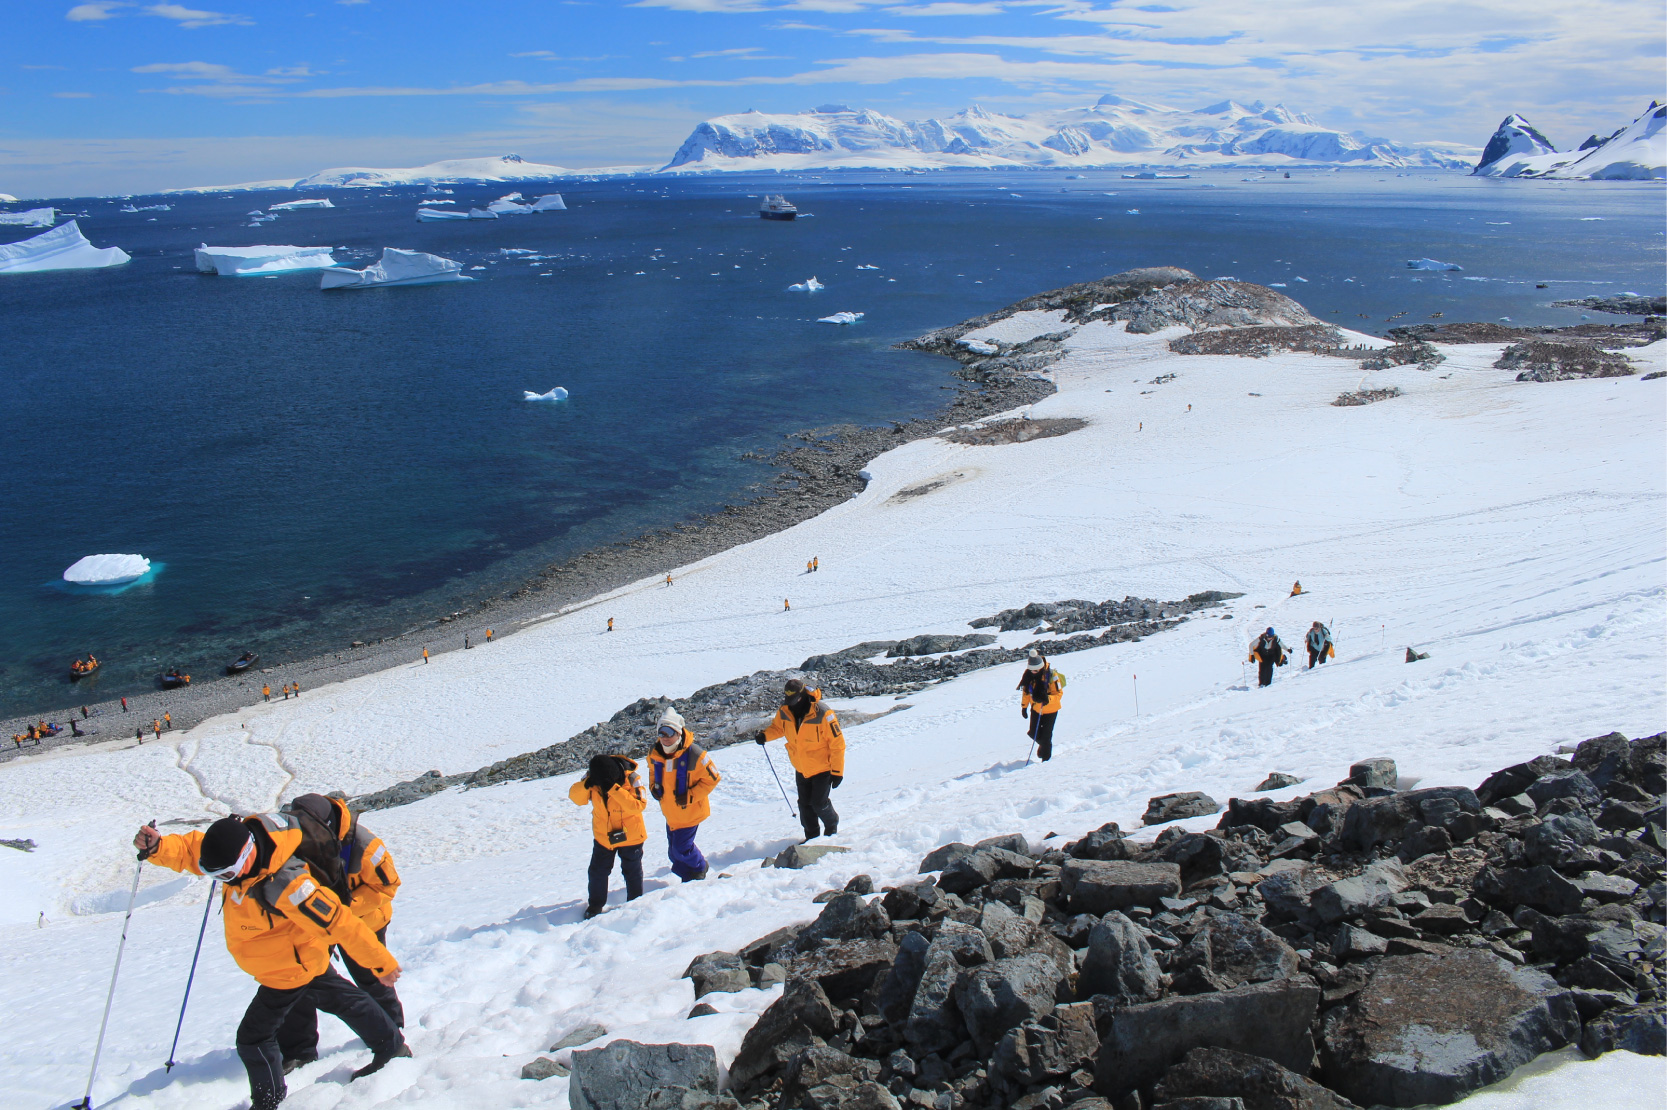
(317, 202)
(810, 286)
(840, 318)
(1431, 264)
(505, 206)
(550, 202)
(436, 215)
(34, 217)
(397, 267)
(107, 570)
(62, 248)
(238, 261)
(482, 214)
(148, 208)
(556, 394)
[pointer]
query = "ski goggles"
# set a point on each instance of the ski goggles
(234, 869)
(668, 731)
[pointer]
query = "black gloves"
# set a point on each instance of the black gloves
(1024, 711)
(759, 739)
(835, 780)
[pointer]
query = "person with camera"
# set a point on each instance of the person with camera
(615, 794)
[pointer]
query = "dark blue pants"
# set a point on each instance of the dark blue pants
(257, 1034)
(686, 860)
(602, 866)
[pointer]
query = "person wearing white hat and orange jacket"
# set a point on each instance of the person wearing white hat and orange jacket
(681, 777)
(1040, 691)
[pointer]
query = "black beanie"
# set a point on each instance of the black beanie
(605, 771)
(222, 843)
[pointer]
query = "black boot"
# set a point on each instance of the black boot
(293, 1062)
(380, 1060)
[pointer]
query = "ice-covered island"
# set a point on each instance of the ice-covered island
(260, 260)
(107, 570)
(397, 267)
(62, 248)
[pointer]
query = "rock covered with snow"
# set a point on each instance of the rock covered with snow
(62, 248)
(314, 202)
(107, 570)
(396, 267)
(1635, 152)
(1512, 141)
(32, 217)
(244, 261)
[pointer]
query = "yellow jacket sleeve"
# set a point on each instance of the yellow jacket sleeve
(836, 746)
(377, 871)
(179, 852)
(705, 778)
(316, 910)
(580, 793)
(777, 728)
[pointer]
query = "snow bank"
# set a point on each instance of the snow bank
(1431, 264)
(556, 394)
(242, 261)
(317, 202)
(397, 267)
(840, 318)
(434, 215)
(810, 286)
(62, 248)
(34, 217)
(106, 570)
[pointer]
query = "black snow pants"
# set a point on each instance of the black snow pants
(816, 811)
(1264, 672)
(1041, 731)
(257, 1034)
(298, 1035)
(602, 866)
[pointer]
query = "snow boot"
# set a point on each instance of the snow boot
(293, 1062)
(380, 1060)
(591, 911)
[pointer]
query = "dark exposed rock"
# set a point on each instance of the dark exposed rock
(1540, 887)
(1105, 843)
(1176, 807)
(897, 990)
(1516, 778)
(1201, 1102)
(1008, 933)
(974, 870)
(911, 901)
(1371, 774)
(1100, 886)
(1564, 784)
(798, 856)
(624, 1075)
(818, 1065)
(941, 857)
(845, 916)
(1260, 1083)
(1543, 360)
(1429, 1029)
(1046, 1051)
(1353, 942)
(1119, 962)
(1236, 951)
(934, 1022)
(845, 969)
(1640, 1029)
(1290, 894)
(1347, 899)
(792, 1022)
(998, 996)
(934, 645)
(542, 1068)
(718, 973)
(1200, 855)
(1276, 780)
(1259, 342)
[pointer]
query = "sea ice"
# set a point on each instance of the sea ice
(237, 261)
(62, 248)
(556, 394)
(840, 318)
(868, 267)
(432, 216)
(397, 267)
(1431, 264)
(33, 217)
(106, 570)
(315, 202)
(810, 286)
(148, 208)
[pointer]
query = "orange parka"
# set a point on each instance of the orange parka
(814, 745)
(1052, 694)
(682, 781)
(280, 923)
(371, 876)
(620, 811)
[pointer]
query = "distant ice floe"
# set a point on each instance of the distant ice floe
(434, 215)
(397, 267)
(840, 318)
(246, 261)
(107, 570)
(62, 248)
(1134, 212)
(482, 214)
(868, 267)
(556, 394)
(514, 204)
(149, 208)
(810, 286)
(1431, 264)
(33, 217)
(316, 202)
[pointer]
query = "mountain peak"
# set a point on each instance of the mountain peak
(1515, 136)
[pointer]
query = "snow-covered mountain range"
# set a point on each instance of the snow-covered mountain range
(451, 171)
(1636, 152)
(1112, 132)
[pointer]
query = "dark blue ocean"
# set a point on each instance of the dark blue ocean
(313, 468)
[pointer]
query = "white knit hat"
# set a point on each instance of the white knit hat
(671, 717)
(1034, 661)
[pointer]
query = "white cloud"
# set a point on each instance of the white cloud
(94, 12)
(192, 18)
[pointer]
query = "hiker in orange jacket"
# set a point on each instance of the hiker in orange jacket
(614, 793)
(817, 749)
(1040, 692)
(681, 777)
(280, 926)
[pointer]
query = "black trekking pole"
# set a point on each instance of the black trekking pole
(169, 1066)
(779, 786)
(86, 1102)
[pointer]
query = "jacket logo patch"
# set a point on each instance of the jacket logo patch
(319, 906)
(381, 854)
(299, 893)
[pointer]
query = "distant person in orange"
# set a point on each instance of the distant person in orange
(425, 655)
(1296, 588)
(816, 563)
(668, 579)
(265, 693)
(786, 605)
(297, 687)
(810, 565)
(157, 727)
(167, 719)
(610, 624)
(489, 635)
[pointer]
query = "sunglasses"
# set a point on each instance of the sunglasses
(668, 731)
(234, 869)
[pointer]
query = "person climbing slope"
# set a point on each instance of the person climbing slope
(681, 777)
(816, 748)
(1319, 645)
(1267, 652)
(281, 921)
(616, 798)
(1040, 692)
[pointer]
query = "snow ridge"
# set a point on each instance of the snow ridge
(1636, 152)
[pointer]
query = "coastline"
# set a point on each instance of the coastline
(823, 468)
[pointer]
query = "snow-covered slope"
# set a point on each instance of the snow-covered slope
(452, 171)
(1636, 152)
(1513, 531)
(1113, 132)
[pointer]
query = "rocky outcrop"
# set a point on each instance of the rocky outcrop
(626, 1075)
(1542, 360)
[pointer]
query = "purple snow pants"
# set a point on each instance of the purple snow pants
(686, 861)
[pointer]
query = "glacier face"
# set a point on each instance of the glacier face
(62, 248)
(266, 259)
(1112, 132)
(1636, 152)
(396, 267)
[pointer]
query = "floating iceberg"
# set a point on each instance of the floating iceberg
(107, 570)
(62, 248)
(482, 214)
(840, 318)
(34, 217)
(317, 202)
(556, 394)
(1431, 264)
(550, 202)
(148, 208)
(505, 206)
(810, 286)
(238, 261)
(435, 215)
(868, 267)
(396, 268)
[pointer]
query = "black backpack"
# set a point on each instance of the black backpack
(321, 847)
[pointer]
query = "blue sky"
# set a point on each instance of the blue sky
(110, 96)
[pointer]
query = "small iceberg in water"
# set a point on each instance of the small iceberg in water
(1431, 264)
(556, 394)
(107, 570)
(148, 208)
(397, 267)
(435, 215)
(840, 318)
(810, 286)
(287, 205)
(62, 248)
(240, 261)
(33, 217)
(482, 214)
